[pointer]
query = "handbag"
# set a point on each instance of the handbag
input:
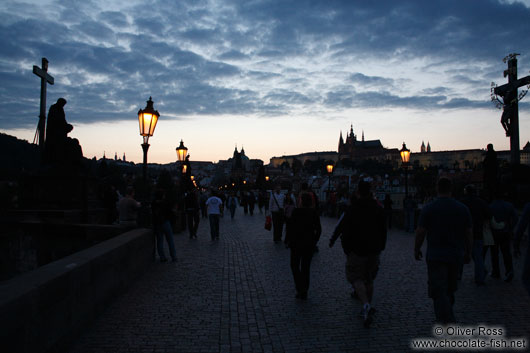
(268, 222)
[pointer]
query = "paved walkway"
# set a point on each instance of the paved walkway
(237, 294)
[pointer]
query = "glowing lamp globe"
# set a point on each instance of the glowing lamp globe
(405, 154)
(147, 118)
(182, 151)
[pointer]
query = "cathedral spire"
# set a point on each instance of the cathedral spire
(363, 135)
(422, 148)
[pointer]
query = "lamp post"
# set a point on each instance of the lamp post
(405, 158)
(147, 119)
(182, 151)
(183, 157)
(329, 168)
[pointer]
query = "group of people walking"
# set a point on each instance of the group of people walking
(456, 232)
(361, 228)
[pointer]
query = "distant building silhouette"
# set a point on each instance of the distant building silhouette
(276, 162)
(357, 150)
(240, 164)
(424, 149)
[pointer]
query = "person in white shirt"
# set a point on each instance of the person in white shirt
(276, 209)
(214, 208)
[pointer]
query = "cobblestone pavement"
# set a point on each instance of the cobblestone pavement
(237, 295)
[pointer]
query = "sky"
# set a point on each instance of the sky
(277, 77)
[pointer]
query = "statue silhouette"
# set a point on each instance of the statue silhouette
(59, 148)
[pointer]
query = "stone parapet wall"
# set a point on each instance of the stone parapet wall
(43, 310)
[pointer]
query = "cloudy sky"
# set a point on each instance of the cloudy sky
(274, 76)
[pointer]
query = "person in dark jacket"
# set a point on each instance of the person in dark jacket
(251, 199)
(289, 207)
(162, 210)
(191, 201)
(304, 234)
(232, 204)
(480, 213)
(447, 225)
(491, 170)
(503, 224)
(363, 236)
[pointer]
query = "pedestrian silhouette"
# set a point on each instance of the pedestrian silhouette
(363, 233)
(191, 201)
(491, 170)
(232, 204)
(128, 209)
(162, 213)
(304, 234)
(276, 208)
(447, 225)
(502, 226)
(480, 213)
(215, 209)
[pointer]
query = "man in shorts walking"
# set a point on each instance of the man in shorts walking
(362, 229)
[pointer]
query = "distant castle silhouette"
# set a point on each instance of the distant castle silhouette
(354, 149)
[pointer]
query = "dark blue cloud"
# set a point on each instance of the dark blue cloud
(436, 91)
(94, 30)
(261, 57)
(113, 19)
(233, 55)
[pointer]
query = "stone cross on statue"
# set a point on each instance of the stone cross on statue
(44, 78)
(510, 115)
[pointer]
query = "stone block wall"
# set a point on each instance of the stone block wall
(43, 310)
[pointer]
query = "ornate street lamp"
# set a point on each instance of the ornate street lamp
(405, 154)
(147, 119)
(405, 159)
(182, 151)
